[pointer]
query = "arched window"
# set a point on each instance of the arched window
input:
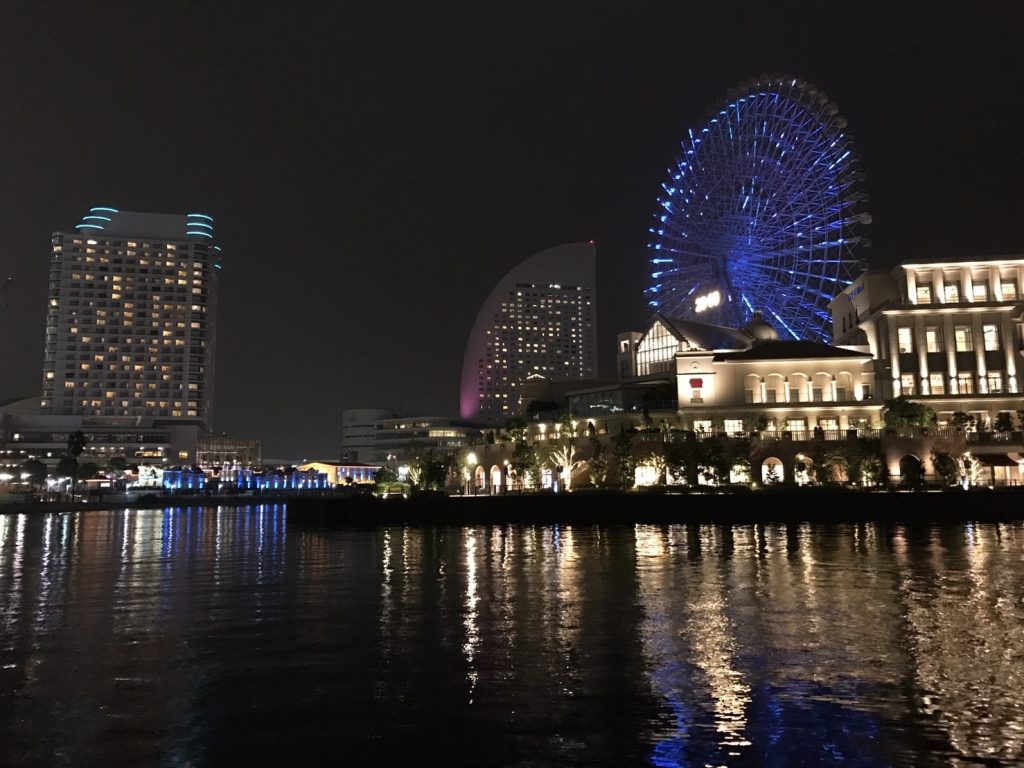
(772, 471)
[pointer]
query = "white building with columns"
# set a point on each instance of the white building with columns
(946, 333)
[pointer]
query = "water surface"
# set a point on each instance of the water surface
(211, 636)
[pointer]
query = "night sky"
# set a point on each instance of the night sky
(374, 168)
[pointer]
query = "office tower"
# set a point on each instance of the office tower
(131, 317)
(538, 321)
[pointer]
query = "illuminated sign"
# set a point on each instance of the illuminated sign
(708, 300)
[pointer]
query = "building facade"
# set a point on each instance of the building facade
(540, 319)
(945, 333)
(949, 335)
(131, 317)
(358, 430)
(25, 434)
(227, 451)
(402, 441)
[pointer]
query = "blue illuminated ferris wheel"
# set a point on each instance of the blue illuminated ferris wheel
(762, 211)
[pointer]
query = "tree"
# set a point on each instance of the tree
(1003, 422)
(76, 445)
(516, 430)
(654, 457)
(526, 462)
(414, 475)
(35, 470)
(563, 451)
(836, 465)
(597, 464)
(720, 455)
(490, 437)
(564, 455)
(384, 475)
(117, 464)
(904, 412)
(624, 463)
(684, 456)
(67, 467)
(87, 470)
(911, 471)
(430, 472)
(866, 461)
(963, 420)
(947, 468)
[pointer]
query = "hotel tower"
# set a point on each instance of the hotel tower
(131, 317)
(537, 322)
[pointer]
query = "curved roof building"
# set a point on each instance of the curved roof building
(539, 319)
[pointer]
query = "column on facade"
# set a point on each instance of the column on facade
(967, 285)
(894, 357)
(911, 286)
(1009, 344)
(785, 384)
(834, 388)
(950, 341)
(979, 352)
(921, 346)
(994, 285)
(763, 388)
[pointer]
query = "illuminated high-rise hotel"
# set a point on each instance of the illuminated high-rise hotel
(131, 317)
(538, 321)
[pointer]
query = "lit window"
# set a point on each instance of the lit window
(979, 291)
(994, 380)
(936, 384)
(734, 426)
(952, 292)
(1008, 290)
(933, 339)
(990, 336)
(907, 384)
(905, 339)
(965, 383)
(964, 341)
(924, 293)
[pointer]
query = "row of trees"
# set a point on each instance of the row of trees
(682, 457)
(904, 412)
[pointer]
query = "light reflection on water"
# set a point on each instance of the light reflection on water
(219, 635)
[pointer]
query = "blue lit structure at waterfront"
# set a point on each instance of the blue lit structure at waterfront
(762, 211)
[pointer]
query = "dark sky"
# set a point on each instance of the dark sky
(375, 168)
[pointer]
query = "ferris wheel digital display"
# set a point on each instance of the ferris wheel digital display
(763, 210)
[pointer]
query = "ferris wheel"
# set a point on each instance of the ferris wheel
(762, 211)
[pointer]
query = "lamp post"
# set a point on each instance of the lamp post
(504, 477)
